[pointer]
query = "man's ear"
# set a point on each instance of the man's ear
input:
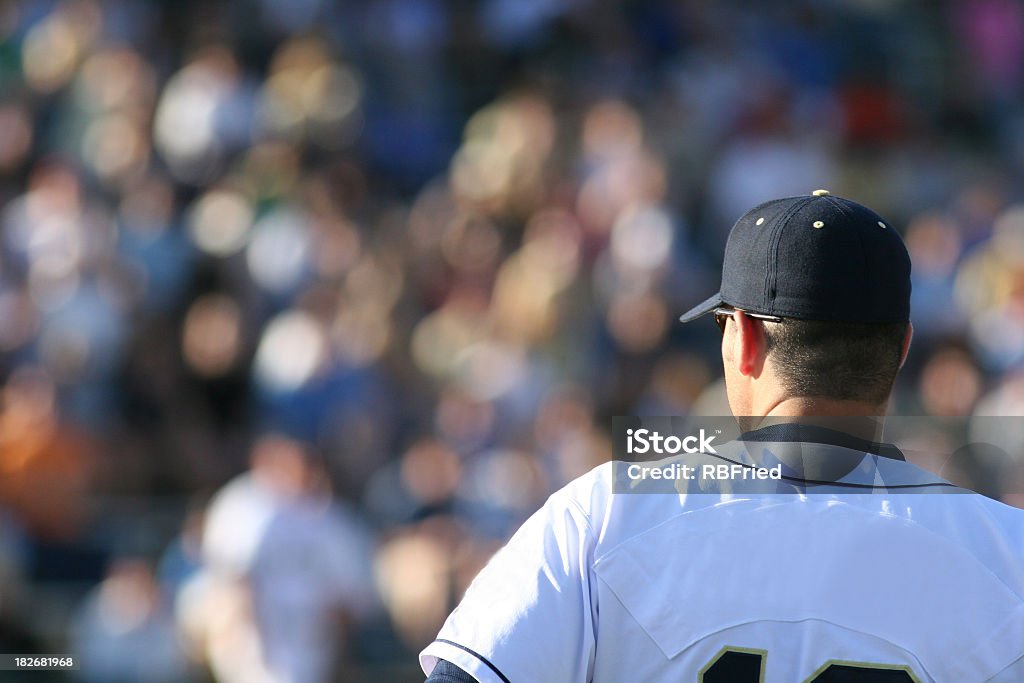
(750, 347)
(906, 344)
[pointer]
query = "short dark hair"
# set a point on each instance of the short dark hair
(837, 360)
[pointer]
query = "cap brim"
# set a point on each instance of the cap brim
(703, 308)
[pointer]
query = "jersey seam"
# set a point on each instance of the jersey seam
(586, 517)
(669, 520)
(1003, 670)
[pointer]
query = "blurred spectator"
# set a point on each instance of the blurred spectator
(39, 453)
(300, 559)
(124, 631)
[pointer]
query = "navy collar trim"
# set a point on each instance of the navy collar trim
(794, 432)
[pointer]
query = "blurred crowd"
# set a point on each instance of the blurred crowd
(306, 305)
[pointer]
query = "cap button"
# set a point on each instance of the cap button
(820, 193)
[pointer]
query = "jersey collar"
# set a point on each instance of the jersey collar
(793, 432)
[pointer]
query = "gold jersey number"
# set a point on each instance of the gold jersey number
(744, 665)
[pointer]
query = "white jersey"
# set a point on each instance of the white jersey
(912, 580)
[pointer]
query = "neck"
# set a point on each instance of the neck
(857, 418)
(805, 406)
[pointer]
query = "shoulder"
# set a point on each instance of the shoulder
(980, 519)
(590, 494)
(608, 508)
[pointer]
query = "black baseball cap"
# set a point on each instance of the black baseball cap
(814, 257)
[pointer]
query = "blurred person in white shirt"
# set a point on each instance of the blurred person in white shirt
(302, 560)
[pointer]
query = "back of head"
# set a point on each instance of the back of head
(836, 360)
(824, 283)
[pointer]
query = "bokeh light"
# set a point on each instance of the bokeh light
(220, 221)
(279, 251)
(212, 338)
(191, 128)
(292, 348)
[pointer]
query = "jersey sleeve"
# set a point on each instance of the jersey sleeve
(528, 615)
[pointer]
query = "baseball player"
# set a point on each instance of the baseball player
(850, 565)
